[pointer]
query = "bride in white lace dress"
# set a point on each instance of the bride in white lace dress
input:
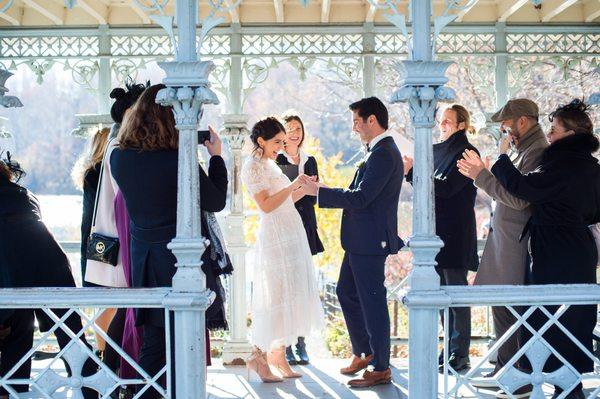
(285, 297)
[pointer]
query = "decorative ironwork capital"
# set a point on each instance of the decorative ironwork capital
(187, 91)
(7, 101)
(235, 130)
(422, 87)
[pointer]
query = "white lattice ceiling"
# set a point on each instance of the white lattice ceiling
(52, 13)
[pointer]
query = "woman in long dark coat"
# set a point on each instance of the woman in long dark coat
(565, 195)
(454, 223)
(145, 168)
(29, 257)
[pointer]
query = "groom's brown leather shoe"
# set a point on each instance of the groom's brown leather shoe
(356, 365)
(372, 378)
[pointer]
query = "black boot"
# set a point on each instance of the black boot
(289, 356)
(301, 352)
(576, 393)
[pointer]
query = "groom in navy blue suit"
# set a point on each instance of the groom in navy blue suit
(369, 234)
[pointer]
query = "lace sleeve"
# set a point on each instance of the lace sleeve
(254, 176)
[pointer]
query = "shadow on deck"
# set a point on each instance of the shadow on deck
(322, 379)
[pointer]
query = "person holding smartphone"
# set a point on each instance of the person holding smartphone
(505, 259)
(145, 169)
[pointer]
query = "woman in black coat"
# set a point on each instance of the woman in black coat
(293, 163)
(29, 257)
(455, 223)
(565, 195)
(145, 168)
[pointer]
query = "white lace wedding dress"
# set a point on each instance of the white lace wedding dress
(285, 296)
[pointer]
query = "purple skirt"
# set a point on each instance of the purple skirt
(132, 335)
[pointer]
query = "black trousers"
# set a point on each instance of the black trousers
(20, 340)
(363, 298)
(503, 321)
(459, 319)
(115, 332)
(153, 357)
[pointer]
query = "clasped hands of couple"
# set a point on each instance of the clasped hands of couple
(308, 184)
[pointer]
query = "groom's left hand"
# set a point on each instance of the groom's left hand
(310, 186)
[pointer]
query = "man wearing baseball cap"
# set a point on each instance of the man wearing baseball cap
(504, 259)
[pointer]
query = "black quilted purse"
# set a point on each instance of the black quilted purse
(102, 248)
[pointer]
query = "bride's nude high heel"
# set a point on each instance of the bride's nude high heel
(277, 359)
(257, 363)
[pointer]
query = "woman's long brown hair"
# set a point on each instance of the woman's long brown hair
(5, 172)
(148, 126)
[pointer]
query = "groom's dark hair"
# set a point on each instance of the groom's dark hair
(371, 106)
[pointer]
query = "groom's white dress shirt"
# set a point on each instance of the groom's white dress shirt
(370, 146)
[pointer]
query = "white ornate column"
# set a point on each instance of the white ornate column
(104, 72)
(237, 348)
(6, 138)
(368, 60)
(501, 77)
(187, 91)
(422, 86)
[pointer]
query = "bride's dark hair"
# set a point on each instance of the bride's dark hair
(265, 128)
(574, 116)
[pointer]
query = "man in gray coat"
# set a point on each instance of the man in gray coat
(504, 259)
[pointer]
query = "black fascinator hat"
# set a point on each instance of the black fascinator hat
(125, 98)
(13, 166)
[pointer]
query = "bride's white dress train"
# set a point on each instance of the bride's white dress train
(285, 296)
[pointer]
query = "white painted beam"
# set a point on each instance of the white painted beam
(551, 10)
(233, 13)
(508, 8)
(325, 9)
(97, 11)
(591, 11)
(278, 4)
(371, 12)
(14, 15)
(54, 14)
(464, 12)
(140, 12)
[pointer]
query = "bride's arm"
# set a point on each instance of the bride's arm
(298, 194)
(268, 203)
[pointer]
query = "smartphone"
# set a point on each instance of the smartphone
(203, 135)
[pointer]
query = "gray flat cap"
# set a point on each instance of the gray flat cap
(516, 108)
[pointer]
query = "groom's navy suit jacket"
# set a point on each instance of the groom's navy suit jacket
(370, 204)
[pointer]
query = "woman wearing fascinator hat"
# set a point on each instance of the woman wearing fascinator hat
(104, 213)
(564, 192)
(30, 257)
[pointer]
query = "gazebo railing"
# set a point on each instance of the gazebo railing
(88, 303)
(536, 349)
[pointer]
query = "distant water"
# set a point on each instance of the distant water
(62, 215)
